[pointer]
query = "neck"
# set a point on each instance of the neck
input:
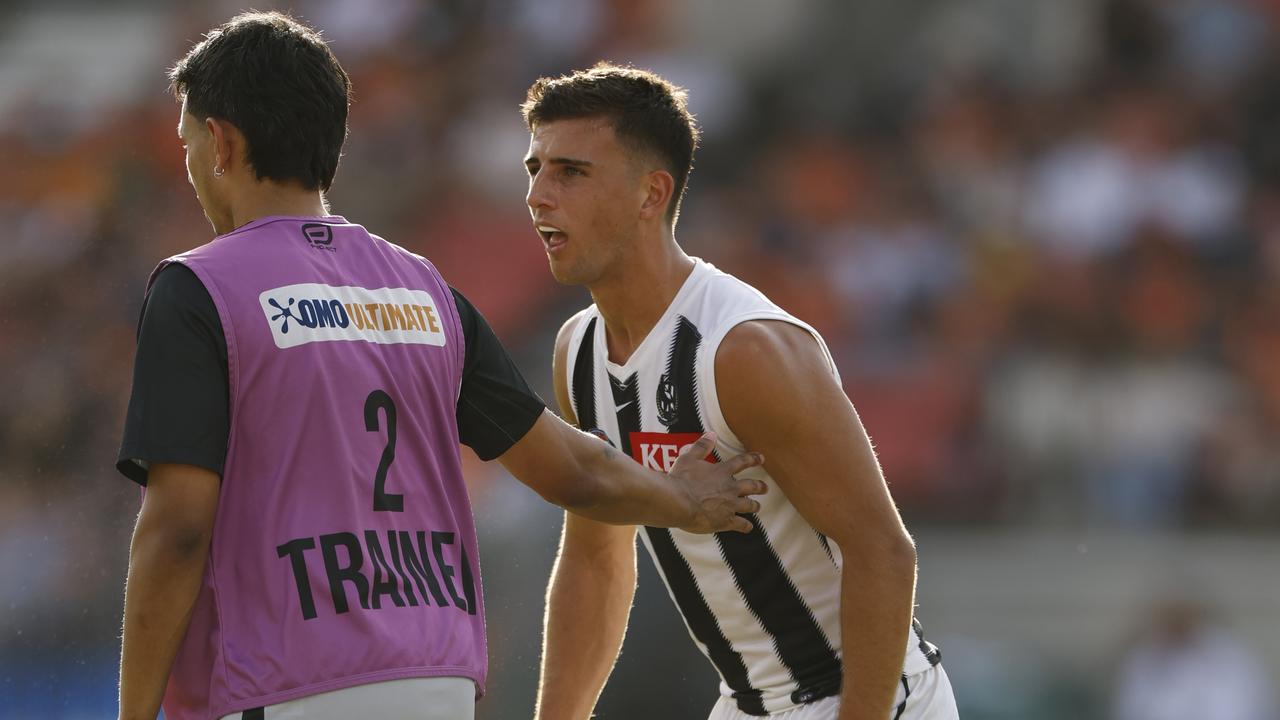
(266, 198)
(633, 301)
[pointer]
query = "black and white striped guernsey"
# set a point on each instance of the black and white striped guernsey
(763, 607)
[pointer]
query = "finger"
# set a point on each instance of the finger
(748, 486)
(700, 449)
(747, 505)
(600, 434)
(743, 461)
(741, 524)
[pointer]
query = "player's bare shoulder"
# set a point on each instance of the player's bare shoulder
(560, 359)
(769, 373)
(768, 347)
(565, 334)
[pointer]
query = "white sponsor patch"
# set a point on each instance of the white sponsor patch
(311, 312)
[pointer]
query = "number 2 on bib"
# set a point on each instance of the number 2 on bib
(383, 501)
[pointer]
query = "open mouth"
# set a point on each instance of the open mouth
(552, 237)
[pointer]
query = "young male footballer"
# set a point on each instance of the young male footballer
(809, 615)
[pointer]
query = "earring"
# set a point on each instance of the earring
(217, 171)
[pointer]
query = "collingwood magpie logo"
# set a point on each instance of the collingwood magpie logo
(667, 401)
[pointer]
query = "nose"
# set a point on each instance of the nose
(539, 195)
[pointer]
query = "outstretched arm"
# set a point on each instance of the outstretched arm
(579, 473)
(780, 397)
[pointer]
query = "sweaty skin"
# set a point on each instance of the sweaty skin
(601, 212)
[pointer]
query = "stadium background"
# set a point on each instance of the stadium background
(1041, 236)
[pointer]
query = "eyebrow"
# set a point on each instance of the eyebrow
(559, 161)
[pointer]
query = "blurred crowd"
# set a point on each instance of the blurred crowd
(1041, 238)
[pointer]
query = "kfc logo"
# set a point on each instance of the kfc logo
(658, 451)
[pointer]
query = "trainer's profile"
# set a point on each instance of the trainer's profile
(810, 615)
(305, 546)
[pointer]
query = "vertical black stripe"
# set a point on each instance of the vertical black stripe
(772, 598)
(681, 379)
(584, 380)
(906, 693)
(799, 641)
(254, 714)
(682, 373)
(702, 622)
(694, 608)
(826, 545)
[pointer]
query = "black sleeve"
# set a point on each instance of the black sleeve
(496, 407)
(179, 411)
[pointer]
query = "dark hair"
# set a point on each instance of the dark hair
(647, 112)
(277, 81)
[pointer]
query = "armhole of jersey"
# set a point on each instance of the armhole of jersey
(707, 369)
(581, 321)
(228, 336)
(460, 351)
(462, 340)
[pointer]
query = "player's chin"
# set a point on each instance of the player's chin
(566, 273)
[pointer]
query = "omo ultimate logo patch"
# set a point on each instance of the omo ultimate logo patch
(312, 312)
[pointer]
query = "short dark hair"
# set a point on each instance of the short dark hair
(277, 81)
(647, 112)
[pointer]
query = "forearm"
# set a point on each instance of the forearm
(621, 491)
(588, 603)
(877, 595)
(590, 478)
(164, 578)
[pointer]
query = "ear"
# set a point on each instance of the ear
(227, 142)
(658, 191)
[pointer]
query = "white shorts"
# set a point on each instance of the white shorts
(441, 698)
(923, 696)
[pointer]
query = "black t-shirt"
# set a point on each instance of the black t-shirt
(179, 411)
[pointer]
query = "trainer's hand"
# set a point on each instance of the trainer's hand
(717, 497)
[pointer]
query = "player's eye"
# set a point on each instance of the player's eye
(571, 170)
